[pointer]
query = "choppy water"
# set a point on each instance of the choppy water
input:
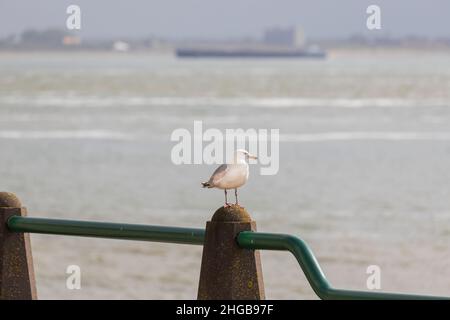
(364, 164)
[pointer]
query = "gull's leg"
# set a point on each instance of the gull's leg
(235, 194)
(226, 200)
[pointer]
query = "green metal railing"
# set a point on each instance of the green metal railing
(245, 239)
(108, 230)
(312, 270)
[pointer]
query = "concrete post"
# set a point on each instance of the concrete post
(17, 281)
(229, 272)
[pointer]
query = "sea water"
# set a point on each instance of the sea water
(364, 171)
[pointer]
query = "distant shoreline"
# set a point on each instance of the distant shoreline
(332, 51)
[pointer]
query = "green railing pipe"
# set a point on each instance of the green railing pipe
(312, 270)
(245, 239)
(107, 230)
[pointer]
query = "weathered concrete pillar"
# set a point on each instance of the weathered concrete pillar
(16, 263)
(228, 271)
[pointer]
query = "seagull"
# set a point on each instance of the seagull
(231, 176)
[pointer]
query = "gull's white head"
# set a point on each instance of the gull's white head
(242, 155)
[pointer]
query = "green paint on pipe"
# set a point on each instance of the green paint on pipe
(108, 230)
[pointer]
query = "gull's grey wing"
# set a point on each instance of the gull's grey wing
(218, 174)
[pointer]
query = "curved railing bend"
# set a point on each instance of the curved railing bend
(245, 239)
(312, 270)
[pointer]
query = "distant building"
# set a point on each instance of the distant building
(290, 37)
(71, 41)
(121, 46)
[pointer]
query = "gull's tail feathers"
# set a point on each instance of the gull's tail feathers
(206, 185)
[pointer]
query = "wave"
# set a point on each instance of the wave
(297, 137)
(259, 102)
(361, 136)
(80, 134)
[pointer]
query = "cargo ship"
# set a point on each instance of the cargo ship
(236, 52)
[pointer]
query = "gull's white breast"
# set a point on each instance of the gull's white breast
(236, 175)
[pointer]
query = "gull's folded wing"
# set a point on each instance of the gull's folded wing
(218, 174)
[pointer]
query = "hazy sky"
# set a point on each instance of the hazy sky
(227, 18)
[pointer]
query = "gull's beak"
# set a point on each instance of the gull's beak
(250, 156)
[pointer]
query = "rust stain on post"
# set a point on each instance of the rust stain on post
(228, 271)
(17, 281)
